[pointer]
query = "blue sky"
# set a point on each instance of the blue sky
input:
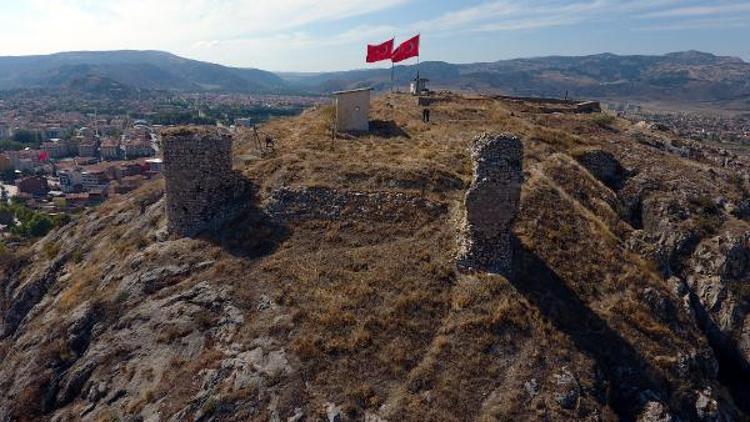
(320, 35)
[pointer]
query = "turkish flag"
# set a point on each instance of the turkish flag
(376, 53)
(407, 49)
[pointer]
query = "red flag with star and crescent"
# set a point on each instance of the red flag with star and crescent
(380, 52)
(407, 49)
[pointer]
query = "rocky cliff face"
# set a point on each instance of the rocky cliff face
(335, 295)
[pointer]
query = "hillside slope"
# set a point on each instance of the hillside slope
(337, 294)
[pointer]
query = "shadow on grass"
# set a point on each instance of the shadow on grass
(629, 377)
(251, 233)
(387, 129)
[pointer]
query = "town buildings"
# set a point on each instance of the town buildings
(33, 185)
(70, 180)
(138, 148)
(87, 148)
(110, 149)
(5, 163)
(58, 148)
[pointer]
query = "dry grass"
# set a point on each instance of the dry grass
(372, 312)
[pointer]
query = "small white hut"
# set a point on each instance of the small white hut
(353, 110)
(418, 86)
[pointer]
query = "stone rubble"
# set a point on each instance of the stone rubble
(320, 203)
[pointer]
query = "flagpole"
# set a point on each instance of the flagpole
(392, 81)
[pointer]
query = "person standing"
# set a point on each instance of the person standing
(426, 115)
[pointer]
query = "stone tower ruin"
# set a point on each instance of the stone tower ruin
(492, 202)
(202, 190)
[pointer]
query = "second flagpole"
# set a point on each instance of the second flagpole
(392, 80)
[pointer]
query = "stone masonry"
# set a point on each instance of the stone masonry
(202, 190)
(492, 203)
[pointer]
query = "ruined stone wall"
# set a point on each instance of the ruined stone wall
(202, 190)
(320, 203)
(492, 202)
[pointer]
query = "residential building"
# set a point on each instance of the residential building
(70, 180)
(93, 178)
(135, 149)
(87, 148)
(57, 148)
(5, 163)
(53, 132)
(110, 149)
(154, 165)
(25, 160)
(33, 185)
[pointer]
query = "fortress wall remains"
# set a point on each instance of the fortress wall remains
(492, 203)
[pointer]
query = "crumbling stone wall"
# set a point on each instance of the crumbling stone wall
(320, 203)
(492, 203)
(202, 190)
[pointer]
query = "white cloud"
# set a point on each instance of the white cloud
(285, 34)
(724, 22)
(44, 26)
(700, 11)
(516, 14)
(511, 15)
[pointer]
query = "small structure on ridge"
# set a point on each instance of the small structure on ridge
(418, 86)
(352, 110)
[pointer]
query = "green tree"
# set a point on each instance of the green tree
(8, 145)
(26, 137)
(39, 225)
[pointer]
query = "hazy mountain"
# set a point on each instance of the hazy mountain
(684, 76)
(131, 69)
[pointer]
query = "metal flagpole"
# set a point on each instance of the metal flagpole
(392, 71)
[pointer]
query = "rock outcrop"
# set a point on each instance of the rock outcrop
(718, 274)
(491, 205)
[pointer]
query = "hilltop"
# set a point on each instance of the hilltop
(691, 79)
(337, 293)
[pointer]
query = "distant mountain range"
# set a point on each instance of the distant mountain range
(126, 70)
(677, 77)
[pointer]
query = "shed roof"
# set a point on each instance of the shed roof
(352, 91)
